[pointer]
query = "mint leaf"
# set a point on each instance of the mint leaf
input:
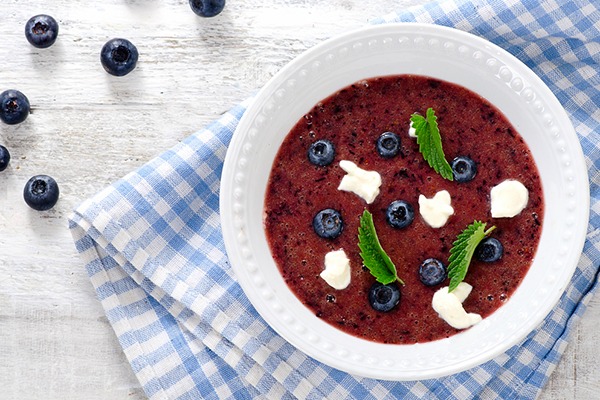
(462, 251)
(430, 143)
(374, 257)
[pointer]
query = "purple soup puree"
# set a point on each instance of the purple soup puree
(352, 120)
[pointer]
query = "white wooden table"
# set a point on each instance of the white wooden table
(88, 129)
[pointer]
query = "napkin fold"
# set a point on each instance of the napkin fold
(155, 255)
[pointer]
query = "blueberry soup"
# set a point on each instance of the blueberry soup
(360, 152)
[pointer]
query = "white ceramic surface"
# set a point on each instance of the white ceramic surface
(442, 53)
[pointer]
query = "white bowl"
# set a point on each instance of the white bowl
(442, 53)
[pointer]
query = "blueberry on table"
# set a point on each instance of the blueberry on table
(41, 192)
(207, 8)
(4, 158)
(464, 169)
(432, 272)
(119, 56)
(14, 107)
(321, 152)
(489, 250)
(388, 144)
(384, 297)
(41, 31)
(400, 214)
(328, 223)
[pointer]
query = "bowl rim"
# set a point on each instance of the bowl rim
(233, 202)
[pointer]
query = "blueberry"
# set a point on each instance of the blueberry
(41, 31)
(400, 214)
(321, 152)
(118, 56)
(432, 272)
(384, 297)
(14, 107)
(41, 192)
(464, 169)
(4, 158)
(328, 223)
(207, 8)
(388, 144)
(489, 250)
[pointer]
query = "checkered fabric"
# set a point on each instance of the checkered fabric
(154, 251)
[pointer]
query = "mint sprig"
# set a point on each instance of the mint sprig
(374, 257)
(430, 143)
(462, 251)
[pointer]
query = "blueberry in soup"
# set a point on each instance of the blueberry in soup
(354, 222)
(384, 297)
(464, 169)
(321, 152)
(400, 214)
(328, 223)
(432, 272)
(388, 144)
(489, 250)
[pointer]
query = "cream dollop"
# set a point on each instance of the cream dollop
(449, 306)
(337, 269)
(509, 198)
(359, 181)
(412, 132)
(437, 210)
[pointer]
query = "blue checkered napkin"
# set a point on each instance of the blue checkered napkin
(155, 255)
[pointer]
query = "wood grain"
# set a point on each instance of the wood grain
(88, 129)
